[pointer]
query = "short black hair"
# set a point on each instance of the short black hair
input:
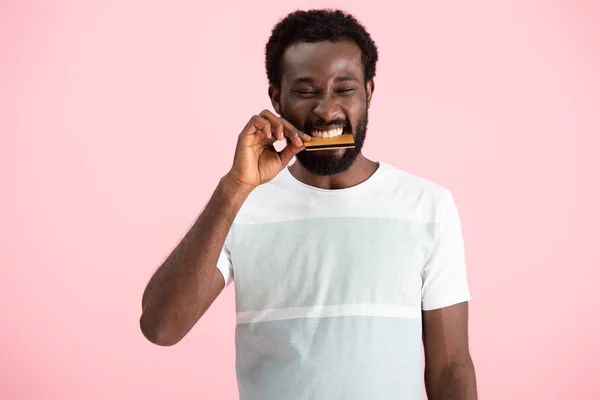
(315, 26)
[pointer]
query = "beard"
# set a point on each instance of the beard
(332, 162)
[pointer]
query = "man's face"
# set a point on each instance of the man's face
(323, 88)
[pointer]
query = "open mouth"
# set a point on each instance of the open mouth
(327, 133)
(332, 138)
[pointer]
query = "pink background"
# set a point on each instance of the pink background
(107, 109)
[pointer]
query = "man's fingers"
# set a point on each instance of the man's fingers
(289, 151)
(258, 125)
(296, 136)
(276, 123)
(281, 128)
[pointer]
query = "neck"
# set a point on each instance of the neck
(359, 172)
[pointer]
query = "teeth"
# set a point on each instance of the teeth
(329, 133)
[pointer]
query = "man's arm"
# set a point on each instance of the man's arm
(449, 370)
(188, 282)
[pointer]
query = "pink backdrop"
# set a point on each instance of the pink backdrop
(107, 109)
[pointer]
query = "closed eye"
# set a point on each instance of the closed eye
(305, 93)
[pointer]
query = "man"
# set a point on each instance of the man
(344, 267)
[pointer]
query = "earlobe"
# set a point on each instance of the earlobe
(274, 96)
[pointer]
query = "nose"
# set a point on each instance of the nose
(327, 109)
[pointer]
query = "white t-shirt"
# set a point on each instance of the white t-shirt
(330, 285)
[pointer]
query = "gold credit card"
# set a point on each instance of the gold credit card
(345, 141)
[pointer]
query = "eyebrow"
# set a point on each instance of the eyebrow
(347, 78)
(302, 80)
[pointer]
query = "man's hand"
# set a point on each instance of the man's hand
(256, 161)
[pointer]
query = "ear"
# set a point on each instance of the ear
(275, 96)
(370, 88)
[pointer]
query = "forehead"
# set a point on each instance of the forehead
(321, 61)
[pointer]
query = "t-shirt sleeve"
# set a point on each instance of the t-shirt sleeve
(444, 275)
(224, 264)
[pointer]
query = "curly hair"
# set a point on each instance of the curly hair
(315, 26)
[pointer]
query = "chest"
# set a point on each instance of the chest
(329, 261)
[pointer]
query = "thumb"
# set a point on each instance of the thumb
(289, 151)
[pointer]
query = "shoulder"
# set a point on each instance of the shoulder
(267, 200)
(420, 197)
(412, 183)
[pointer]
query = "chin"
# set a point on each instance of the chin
(327, 162)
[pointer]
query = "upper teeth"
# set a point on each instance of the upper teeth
(329, 133)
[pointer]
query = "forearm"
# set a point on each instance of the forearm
(185, 285)
(453, 382)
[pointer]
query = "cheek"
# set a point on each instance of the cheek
(295, 112)
(355, 112)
